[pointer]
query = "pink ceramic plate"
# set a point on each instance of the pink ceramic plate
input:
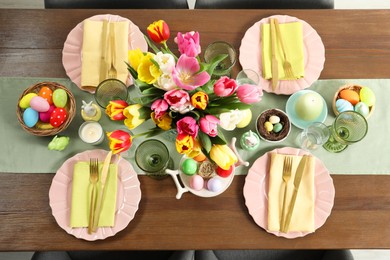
(256, 192)
(314, 52)
(128, 197)
(71, 54)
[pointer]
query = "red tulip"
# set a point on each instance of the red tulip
(158, 31)
(119, 141)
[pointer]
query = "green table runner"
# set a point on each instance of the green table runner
(24, 153)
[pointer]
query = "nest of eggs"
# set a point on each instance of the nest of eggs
(70, 109)
(355, 88)
(271, 135)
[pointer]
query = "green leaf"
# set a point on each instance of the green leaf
(215, 62)
(205, 141)
(132, 71)
(151, 45)
(141, 85)
(220, 138)
(216, 110)
(153, 91)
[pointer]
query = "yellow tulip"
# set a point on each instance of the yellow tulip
(132, 114)
(223, 156)
(148, 72)
(135, 57)
(184, 143)
(164, 122)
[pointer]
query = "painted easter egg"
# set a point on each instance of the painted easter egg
(189, 166)
(60, 98)
(30, 117)
(214, 184)
(196, 182)
(45, 116)
(39, 104)
(343, 105)
(367, 96)
(47, 94)
(58, 117)
(362, 109)
(25, 100)
(350, 95)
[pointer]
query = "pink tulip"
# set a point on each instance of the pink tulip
(177, 98)
(188, 43)
(249, 94)
(160, 106)
(208, 125)
(186, 74)
(187, 125)
(225, 87)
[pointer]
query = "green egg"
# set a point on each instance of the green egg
(277, 127)
(367, 96)
(189, 167)
(60, 98)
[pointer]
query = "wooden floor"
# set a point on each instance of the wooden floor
(339, 4)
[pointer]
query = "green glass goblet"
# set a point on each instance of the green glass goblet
(152, 157)
(348, 128)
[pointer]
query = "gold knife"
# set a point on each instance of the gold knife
(103, 178)
(103, 61)
(297, 181)
(274, 61)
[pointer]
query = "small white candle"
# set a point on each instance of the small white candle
(91, 132)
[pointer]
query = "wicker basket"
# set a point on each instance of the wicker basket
(355, 88)
(70, 108)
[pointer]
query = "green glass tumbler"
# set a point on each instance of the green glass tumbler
(152, 157)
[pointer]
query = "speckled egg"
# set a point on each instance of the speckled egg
(196, 182)
(214, 185)
(189, 166)
(362, 109)
(25, 100)
(367, 96)
(39, 104)
(58, 117)
(30, 117)
(47, 94)
(343, 105)
(350, 95)
(274, 119)
(60, 97)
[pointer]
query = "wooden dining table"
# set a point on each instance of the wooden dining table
(357, 46)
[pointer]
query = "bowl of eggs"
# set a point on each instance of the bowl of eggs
(45, 109)
(356, 98)
(273, 125)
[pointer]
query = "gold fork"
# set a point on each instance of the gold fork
(93, 178)
(286, 64)
(287, 165)
(112, 72)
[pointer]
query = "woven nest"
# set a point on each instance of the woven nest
(353, 87)
(70, 109)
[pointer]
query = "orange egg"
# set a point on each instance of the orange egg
(47, 94)
(350, 95)
(200, 157)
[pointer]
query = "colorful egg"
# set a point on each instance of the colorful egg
(25, 100)
(58, 117)
(47, 94)
(60, 97)
(246, 116)
(367, 96)
(224, 173)
(214, 185)
(30, 117)
(343, 105)
(274, 119)
(45, 116)
(196, 182)
(362, 109)
(277, 128)
(268, 126)
(189, 167)
(350, 95)
(39, 104)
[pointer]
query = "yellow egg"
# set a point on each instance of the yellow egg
(268, 126)
(367, 96)
(246, 118)
(350, 95)
(25, 101)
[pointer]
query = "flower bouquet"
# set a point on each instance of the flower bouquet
(178, 93)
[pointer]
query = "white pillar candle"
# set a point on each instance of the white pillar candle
(91, 132)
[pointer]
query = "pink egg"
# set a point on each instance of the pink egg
(39, 104)
(196, 182)
(45, 116)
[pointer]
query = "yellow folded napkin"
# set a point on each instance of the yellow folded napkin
(92, 51)
(81, 196)
(302, 219)
(293, 41)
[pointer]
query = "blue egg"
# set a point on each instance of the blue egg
(362, 109)
(30, 117)
(343, 105)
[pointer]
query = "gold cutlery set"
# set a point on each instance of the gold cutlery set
(97, 195)
(287, 172)
(287, 68)
(107, 64)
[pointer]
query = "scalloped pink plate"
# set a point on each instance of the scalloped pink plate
(71, 53)
(128, 197)
(256, 192)
(314, 53)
